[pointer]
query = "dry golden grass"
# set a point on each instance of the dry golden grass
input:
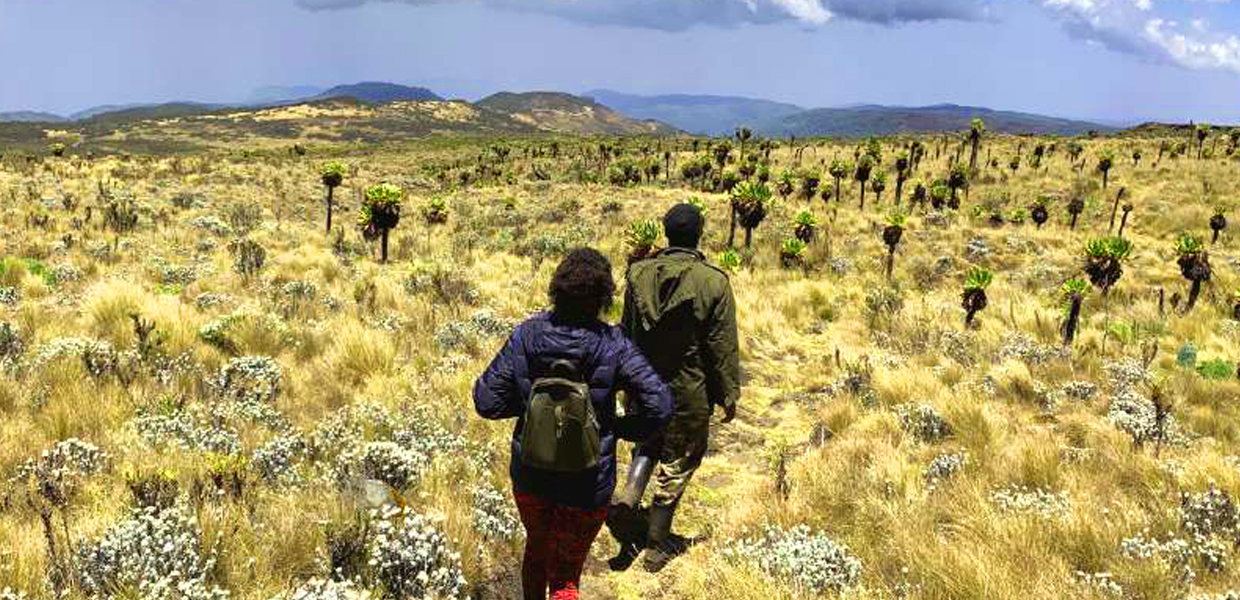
(379, 335)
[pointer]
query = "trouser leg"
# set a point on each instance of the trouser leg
(537, 517)
(684, 447)
(574, 530)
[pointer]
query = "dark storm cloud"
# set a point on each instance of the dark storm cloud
(891, 12)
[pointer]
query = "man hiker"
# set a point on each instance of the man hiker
(680, 312)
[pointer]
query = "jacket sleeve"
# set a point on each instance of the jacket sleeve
(628, 315)
(649, 397)
(496, 393)
(722, 350)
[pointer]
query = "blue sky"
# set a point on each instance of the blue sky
(1117, 59)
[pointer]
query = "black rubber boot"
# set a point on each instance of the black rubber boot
(659, 550)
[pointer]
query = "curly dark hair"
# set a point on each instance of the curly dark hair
(582, 286)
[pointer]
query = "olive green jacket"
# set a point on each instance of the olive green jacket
(680, 312)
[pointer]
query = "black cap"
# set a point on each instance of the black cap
(683, 225)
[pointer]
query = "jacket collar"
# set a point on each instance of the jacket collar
(680, 251)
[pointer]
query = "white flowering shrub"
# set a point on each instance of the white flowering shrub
(1212, 512)
(250, 384)
(1100, 583)
(494, 517)
(418, 430)
(300, 291)
(457, 335)
(66, 274)
(183, 429)
(1176, 551)
(213, 225)
(944, 467)
(806, 560)
(249, 380)
(98, 358)
(1079, 390)
(276, 461)
(169, 274)
(923, 422)
(9, 296)
(391, 463)
(325, 589)
(207, 300)
(1126, 375)
(1022, 347)
(1231, 595)
(56, 473)
(12, 594)
(411, 558)
(1037, 501)
(161, 554)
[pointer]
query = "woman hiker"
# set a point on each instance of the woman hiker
(558, 376)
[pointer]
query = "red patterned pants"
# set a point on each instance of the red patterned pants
(557, 541)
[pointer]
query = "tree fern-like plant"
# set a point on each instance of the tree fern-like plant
(1039, 212)
(1076, 206)
(976, 129)
(878, 183)
(902, 164)
(805, 226)
(864, 167)
(1106, 160)
(730, 260)
(435, 212)
(784, 186)
(1072, 294)
(792, 253)
(839, 170)
(743, 134)
(1194, 262)
(919, 195)
(957, 180)
(939, 193)
(380, 214)
(1104, 261)
(810, 180)
(1218, 222)
(332, 175)
(641, 238)
(750, 200)
(1039, 151)
(1123, 220)
(892, 234)
(722, 151)
(973, 300)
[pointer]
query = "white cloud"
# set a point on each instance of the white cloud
(1203, 50)
(674, 15)
(1133, 27)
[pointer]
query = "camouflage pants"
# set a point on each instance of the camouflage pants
(683, 448)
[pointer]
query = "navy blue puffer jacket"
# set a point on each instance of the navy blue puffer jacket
(611, 363)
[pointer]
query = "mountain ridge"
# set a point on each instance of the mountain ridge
(604, 111)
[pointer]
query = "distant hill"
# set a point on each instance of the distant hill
(141, 112)
(103, 109)
(373, 91)
(27, 116)
(274, 94)
(565, 113)
(868, 120)
(710, 115)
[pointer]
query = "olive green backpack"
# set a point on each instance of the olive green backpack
(561, 432)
